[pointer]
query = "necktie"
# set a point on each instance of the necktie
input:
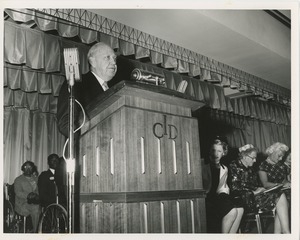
(104, 86)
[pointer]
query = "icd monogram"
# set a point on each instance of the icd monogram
(165, 129)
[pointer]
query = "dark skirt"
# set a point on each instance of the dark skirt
(220, 204)
(217, 206)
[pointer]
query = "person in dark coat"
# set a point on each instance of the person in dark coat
(103, 67)
(222, 214)
(48, 183)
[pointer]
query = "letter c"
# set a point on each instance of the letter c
(154, 130)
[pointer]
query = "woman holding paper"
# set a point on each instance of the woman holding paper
(274, 170)
(245, 188)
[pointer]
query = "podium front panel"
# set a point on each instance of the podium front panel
(162, 151)
(141, 173)
(167, 216)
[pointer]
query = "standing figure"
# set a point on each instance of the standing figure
(103, 67)
(220, 207)
(26, 194)
(245, 187)
(47, 183)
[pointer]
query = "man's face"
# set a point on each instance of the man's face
(104, 63)
(53, 163)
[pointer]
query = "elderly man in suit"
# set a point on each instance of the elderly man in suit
(26, 191)
(103, 67)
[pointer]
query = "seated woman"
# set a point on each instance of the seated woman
(26, 191)
(275, 169)
(244, 186)
(218, 203)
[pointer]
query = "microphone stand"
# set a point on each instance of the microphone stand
(70, 163)
(71, 58)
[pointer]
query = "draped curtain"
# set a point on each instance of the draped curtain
(260, 133)
(30, 136)
(239, 130)
(34, 73)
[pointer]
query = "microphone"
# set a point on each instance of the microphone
(71, 59)
(147, 77)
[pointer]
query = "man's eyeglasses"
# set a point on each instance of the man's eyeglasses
(251, 157)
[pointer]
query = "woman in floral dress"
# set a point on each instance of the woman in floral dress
(245, 188)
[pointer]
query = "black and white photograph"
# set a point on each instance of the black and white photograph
(150, 120)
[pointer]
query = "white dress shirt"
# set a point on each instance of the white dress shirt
(223, 187)
(101, 82)
(52, 170)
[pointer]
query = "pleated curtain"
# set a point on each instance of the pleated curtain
(34, 73)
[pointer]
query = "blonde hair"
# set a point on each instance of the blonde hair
(220, 142)
(277, 147)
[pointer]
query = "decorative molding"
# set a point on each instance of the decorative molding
(89, 27)
(142, 196)
(86, 19)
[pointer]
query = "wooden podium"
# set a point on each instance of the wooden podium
(139, 159)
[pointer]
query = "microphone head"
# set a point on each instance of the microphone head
(71, 59)
(136, 74)
(147, 77)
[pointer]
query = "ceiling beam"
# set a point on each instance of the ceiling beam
(280, 17)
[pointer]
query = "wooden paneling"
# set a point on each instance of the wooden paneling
(141, 196)
(135, 218)
(137, 102)
(101, 137)
(149, 97)
(142, 217)
(128, 183)
(140, 125)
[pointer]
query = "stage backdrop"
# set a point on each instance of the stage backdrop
(34, 72)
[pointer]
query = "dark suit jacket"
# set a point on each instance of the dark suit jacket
(47, 188)
(85, 92)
